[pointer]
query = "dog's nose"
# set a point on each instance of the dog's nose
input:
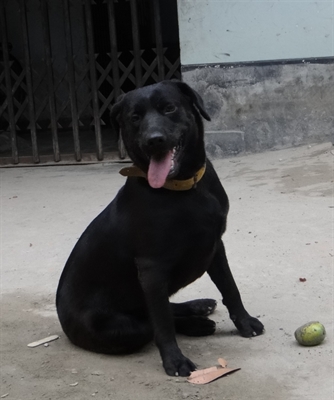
(155, 142)
(155, 139)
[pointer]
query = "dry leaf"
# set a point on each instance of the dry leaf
(43, 341)
(207, 375)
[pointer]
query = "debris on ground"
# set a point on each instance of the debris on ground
(43, 341)
(207, 375)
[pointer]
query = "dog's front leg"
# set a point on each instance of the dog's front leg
(154, 283)
(221, 275)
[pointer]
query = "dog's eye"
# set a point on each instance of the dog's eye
(135, 117)
(169, 109)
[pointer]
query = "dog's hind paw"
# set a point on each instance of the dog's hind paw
(248, 326)
(203, 307)
(195, 326)
(198, 307)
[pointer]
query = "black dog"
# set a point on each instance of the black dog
(161, 232)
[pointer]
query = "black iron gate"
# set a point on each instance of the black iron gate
(62, 65)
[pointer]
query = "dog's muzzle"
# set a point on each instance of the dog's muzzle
(156, 144)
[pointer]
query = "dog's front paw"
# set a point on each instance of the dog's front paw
(178, 366)
(248, 326)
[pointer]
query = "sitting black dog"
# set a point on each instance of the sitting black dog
(161, 232)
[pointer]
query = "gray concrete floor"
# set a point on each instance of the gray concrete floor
(280, 229)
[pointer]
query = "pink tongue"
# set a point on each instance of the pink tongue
(158, 170)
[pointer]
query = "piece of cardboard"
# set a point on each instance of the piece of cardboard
(207, 375)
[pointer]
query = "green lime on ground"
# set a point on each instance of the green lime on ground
(310, 334)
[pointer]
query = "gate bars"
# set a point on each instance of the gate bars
(9, 93)
(42, 108)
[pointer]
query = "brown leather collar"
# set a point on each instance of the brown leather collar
(171, 184)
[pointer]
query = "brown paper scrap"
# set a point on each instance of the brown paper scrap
(207, 375)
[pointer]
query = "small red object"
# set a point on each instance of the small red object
(302, 279)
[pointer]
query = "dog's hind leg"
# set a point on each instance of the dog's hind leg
(190, 317)
(194, 326)
(198, 307)
(110, 333)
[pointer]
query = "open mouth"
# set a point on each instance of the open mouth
(166, 166)
(174, 164)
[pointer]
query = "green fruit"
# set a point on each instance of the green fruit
(310, 334)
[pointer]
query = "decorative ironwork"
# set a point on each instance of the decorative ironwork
(73, 91)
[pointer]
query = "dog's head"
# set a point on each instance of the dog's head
(162, 130)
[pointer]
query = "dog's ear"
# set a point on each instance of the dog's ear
(115, 111)
(194, 97)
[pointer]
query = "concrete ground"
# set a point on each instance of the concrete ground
(280, 229)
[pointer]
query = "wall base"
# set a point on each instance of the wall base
(256, 107)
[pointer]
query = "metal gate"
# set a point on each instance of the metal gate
(63, 64)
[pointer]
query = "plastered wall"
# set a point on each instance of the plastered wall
(221, 31)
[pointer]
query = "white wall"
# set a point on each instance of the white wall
(220, 31)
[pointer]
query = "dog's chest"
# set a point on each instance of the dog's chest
(196, 232)
(174, 232)
(176, 227)
(197, 220)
